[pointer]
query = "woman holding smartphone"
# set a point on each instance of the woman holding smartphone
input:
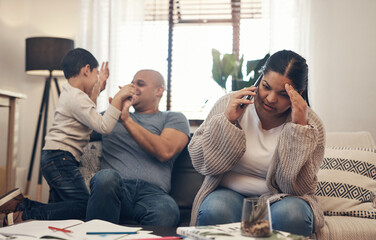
(272, 147)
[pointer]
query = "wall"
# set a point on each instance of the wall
(19, 20)
(343, 53)
(343, 56)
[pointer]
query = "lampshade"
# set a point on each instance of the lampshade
(44, 55)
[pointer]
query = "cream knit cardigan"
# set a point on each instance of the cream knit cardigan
(217, 145)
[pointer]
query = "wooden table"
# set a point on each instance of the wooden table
(8, 100)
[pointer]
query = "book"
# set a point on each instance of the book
(72, 229)
(229, 231)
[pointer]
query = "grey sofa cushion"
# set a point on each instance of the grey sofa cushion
(90, 160)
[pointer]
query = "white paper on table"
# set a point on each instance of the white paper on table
(39, 230)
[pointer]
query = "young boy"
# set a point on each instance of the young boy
(75, 119)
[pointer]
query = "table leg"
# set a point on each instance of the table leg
(10, 147)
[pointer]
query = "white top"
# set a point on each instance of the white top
(248, 177)
(75, 119)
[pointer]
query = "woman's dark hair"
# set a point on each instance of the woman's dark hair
(291, 65)
(76, 59)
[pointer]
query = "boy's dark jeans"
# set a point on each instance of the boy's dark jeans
(68, 192)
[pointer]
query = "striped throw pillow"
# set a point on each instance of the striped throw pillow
(347, 182)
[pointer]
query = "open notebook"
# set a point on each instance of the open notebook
(79, 230)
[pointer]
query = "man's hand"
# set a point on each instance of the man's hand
(126, 93)
(125, 110)
(299, 107)
(104, 73)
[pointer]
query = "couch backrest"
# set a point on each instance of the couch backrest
(350, 139)
(185, 182)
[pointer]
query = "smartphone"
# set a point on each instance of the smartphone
(250, 97)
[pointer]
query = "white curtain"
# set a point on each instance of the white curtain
(114, 31)
(290, 28)
(289, 25)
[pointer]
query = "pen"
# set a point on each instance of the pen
(104, 233)
(59, 229)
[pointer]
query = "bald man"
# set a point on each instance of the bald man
(138, 156)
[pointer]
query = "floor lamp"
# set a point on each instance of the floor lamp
(43, 58)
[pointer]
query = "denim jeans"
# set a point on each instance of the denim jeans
(68, 192)
(290, 214)
(115, 199)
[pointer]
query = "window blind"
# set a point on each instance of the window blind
(178, 12)
(202, 11)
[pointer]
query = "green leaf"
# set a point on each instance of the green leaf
(243, 84)
(252, 65)
(255, 66)
(239, 74)
(228, 64)
(217, 71)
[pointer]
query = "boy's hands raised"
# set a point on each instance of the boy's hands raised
(100, 85)
(104, 73)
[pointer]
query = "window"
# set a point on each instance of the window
(195, 27)
(137, 34)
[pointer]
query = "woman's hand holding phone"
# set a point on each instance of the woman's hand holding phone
(250, 97)
(239, 99)
(234, 109)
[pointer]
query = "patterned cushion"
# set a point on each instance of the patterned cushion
(90, 160)
(347, 182)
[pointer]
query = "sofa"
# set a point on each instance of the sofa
(346, 216)
(185, 181)
(347, 186)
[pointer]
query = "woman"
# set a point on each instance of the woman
(272, 147)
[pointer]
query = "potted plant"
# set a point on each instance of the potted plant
(227, 65)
